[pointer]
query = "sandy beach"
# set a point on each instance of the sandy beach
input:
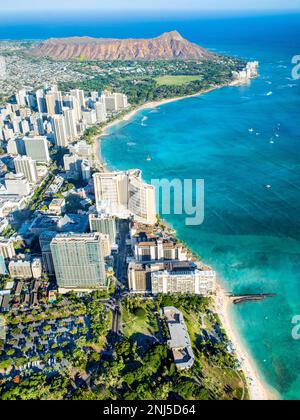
(258, 390)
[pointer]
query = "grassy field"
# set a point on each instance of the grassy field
(176, 80)
(141, 322)
(220, 377)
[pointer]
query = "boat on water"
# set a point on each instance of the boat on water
(149, 158)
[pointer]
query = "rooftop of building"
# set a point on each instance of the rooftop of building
(180, 342)
(72, 237)
(69, 223)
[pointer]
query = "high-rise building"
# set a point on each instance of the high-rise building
(85, 170)
(105, 244)
(100, 112)
(190, 281)
(110, 102)
(20, 269)
(159, 249)
(72, 102)
(114, 102)
(106, 224)
(36, 268)
(70, 121)
(111, 188)
(16, 123)
(50, 99)
(25, 127)
(17, 184)
(36, 147)
(7, 249)
(72, 165)
(117, 191)
(89, 117)
(142, 200)
(16, 146)
(121, 100)
(60, 131)
(79, 95)
(26, 166)
(21, 97)
(54, 102)
(79, 261)
(41, 101)
(3, 269)
(82, 150)
(38, 124)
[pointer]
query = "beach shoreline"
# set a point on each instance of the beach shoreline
(127, 117)
(257, 388)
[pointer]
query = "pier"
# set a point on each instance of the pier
(236, 299)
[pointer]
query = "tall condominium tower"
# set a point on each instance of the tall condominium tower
(27, 166)
(70, 121)
(60, 131)
(117, 191)
(36, 147)
(79, 261)
(79, 94)
(41, 101)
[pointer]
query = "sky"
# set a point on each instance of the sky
(211, 5)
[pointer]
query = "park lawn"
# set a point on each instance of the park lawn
(138, 323)
(176, 80)
(223, 377)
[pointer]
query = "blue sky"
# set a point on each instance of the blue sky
(151, 4)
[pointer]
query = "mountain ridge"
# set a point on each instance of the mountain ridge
(168, 46)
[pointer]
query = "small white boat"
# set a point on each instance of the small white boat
(149, 158)
(269, 93)
(268, 186)
(251, 130)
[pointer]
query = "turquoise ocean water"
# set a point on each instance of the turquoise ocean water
(251, 235)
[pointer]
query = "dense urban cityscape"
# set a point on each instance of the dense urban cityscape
(69, 228)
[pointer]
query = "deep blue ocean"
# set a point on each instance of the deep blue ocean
(238, 139)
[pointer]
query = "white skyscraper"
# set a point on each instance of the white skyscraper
(17, 184)
(100, 112)
(111, 188)
(89, 117)
(79, 94)
(70, 120)
(141, 200)
(36, 147)
(119, 193)
(26, 166)
(54, 102)
(21, 97)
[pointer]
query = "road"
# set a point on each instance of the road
(121, 259)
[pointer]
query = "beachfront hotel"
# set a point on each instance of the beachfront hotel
(183, 281)
(124, 194)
